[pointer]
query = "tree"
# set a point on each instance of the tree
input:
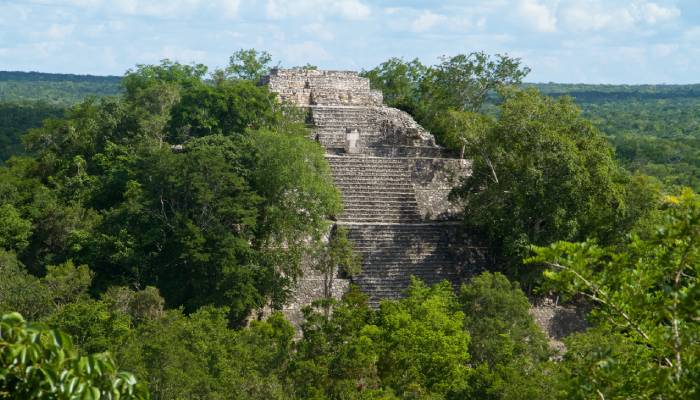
(14, 230)
(541, 173)
(40, 297)
(66, 282)
(199, 356)
(93, 326)
(338, 353)
(141, 305)
(209, 191)
(186, 223)
(399, 82)
(423, 347)
(497, 317)
(21, 291)
(248, 64)
(647, 299)
(462, 131)
(335, 258)
(464, 81)
(508, 350)
(40, 363)
(291, 175)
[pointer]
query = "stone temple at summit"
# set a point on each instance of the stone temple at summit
(394, 182)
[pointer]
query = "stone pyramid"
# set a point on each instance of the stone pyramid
(394, 182)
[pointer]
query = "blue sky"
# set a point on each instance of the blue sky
(589, 41)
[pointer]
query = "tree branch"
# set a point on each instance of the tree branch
(596, 296)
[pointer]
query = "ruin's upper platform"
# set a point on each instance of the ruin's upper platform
(308, 87)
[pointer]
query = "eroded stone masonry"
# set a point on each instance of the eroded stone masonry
(394, 182)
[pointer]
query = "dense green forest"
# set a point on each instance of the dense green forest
(59, 89)
(28, 98)
(655, 129)
(138, 233)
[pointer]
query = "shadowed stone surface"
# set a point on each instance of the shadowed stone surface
(394, 181)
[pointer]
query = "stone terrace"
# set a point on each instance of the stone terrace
(393, 178)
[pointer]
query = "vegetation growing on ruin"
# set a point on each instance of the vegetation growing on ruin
(147, 226)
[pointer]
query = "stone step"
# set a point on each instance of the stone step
(375, 190)
(360, 177)
(367, 165)
(377, 210)
(389, 276)
(372, 171)
(370, 182)
(380, 206)
(406, 261)
(389, 213)
(349, 206)
(399, 246)
(393, 198)
(379, 219)
(344, 123)
(359, 163)
(381, 172)
(364, 158)
(372, 231)
(381, 214)
(397, 237)
(357, 187)
(389, 195)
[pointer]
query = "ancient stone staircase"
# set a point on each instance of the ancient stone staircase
(375, 189)
(392, 253)
(385, 224)
(394, 182)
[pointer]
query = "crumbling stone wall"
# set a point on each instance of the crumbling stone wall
(306, 87)
(433, 180)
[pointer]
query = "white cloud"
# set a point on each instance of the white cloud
(419, 21)
(692, 34)
(155, 8)
(537, 15)
(160, 8)
(426, 20)
(353, 9)
(653, 13)
(229, 7)
(593, 16)
(598, 15)
(117, 25)
(314, 9)
(83, 3)
(664, 49)
(180, 54)
(46, 49)
(58, 32)
(305, 52)
(319, 31)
